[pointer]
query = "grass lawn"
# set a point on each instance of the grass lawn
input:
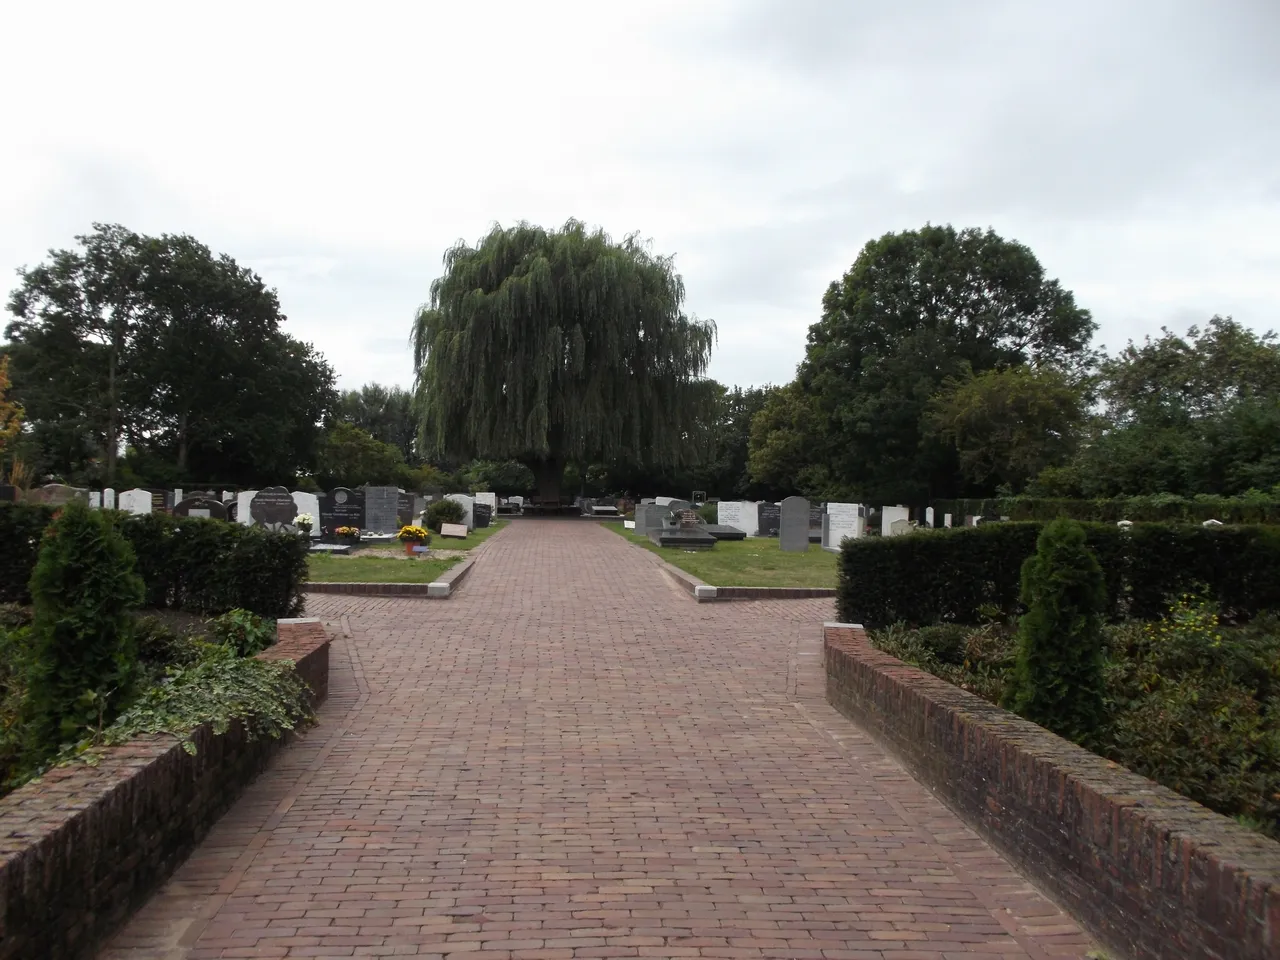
(754, 562)
(473, 539)
(370, 569)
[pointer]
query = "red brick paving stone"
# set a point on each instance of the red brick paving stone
(572, 759)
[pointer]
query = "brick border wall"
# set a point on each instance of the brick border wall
(85, 846)
(1150, 873)
(442, 588)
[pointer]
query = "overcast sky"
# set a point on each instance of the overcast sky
(340, 149)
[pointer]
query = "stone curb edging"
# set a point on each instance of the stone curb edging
(442, 589)
(83, 846)
(1148, 872)
(703, 592)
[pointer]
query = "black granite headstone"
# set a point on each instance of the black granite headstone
(341, 507)
(208, 507)
(272, 507)
(770, 519)
(481, 514)
(404, 509)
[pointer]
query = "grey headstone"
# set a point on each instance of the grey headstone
(382, 509)
(793, 527)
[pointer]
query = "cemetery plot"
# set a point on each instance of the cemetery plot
(366, 567)
(758, 562)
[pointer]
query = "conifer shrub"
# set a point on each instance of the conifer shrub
(444, 511)
(1058, 678)
(81, 645)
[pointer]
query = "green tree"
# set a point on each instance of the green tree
(550, 346)
(157, 343)
(350, 457)
(505, 478)
(385, 413)
(917, 308)
(10, 410)
(1008, 425)
(1057, 678)
(786, 449)
(82, 652)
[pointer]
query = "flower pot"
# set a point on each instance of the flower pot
(410, 544)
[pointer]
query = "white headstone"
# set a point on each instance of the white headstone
(899, 527)
(108, 499)
(844, 520)
(467, 503)
(177, 495)
(136, 501)
(308, 503)
(491, 499)
(665, 501)
(95, 500)
(928, 516)
(946, 520)
(518, 501)
(890, 515)
(228, 495)
(243, 499)
(740, 514)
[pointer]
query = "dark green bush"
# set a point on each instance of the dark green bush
(968, 575)
(204, 566)
(243, 632)
(709, 512)
(1057, 678)
(21, 525)
(444, 511)
(82, 653)
(1160, 508)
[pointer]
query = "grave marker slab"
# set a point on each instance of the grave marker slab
(482, 513)
(381, 509)
(304, 502)
(793, 529)
(108, 499)
(742, 514)
(467, 504)
(843, 520)
(136, 501)
(272, 507)
(891, 515)
(769, 518)
(458, 530)
(341, 507)
(243, 499)
(207, 507)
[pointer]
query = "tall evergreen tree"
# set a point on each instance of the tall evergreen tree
(555, 346)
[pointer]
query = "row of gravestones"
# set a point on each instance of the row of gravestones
(794, 521)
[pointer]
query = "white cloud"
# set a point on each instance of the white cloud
(340, 150)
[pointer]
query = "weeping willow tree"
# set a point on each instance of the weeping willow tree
(558, 346)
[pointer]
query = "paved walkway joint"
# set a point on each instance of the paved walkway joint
(573, 759)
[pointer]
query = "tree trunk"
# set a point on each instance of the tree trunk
(549, 474)
(182, 442)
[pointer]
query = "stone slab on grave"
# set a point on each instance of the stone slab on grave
(723, 531)
(342, 507)
(381, 509)
(458, 530)
(273, 508)
(843, 521)
(741, 514)
(136, 501)
(684, 538)
(332, 549)
(308, 503)
(891, 515)
(483, 514)
(793, 529)
(108, 499)
(208, 508)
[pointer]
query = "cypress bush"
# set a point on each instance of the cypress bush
(1057, 678)
(444, 511)
(967, 575)
(82, 656)
(21, 525)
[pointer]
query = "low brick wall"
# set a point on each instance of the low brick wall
(1150, 873)
(85, 846)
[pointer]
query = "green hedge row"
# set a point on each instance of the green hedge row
(1162, 508)
(202, 566)
(966, 575)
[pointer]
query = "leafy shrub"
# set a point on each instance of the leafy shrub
(266, 697)
(444, 511)
(82, 653)
(709, 512)
(187, 563)
(244, 632)
(21, 525)
(160, 645)
(1057, 678)
(952, 576)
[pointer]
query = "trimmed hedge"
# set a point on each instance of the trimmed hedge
(187, 563)
(966, 575)
(1161, 508)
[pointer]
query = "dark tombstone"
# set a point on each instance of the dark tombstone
(8, 494)
(404, 509)
(794, 527)
(341, 507)
(381, 509)
(201, 505)
(159, 501)
(273, 508)
(770, 519)
(481, 514)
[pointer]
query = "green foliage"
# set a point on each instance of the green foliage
(1008, 425)
(444, 511)
(244, 632)
(1157, 508)
(159, 340)
(21, 526)
(915, 308)
(1057, 678)
(965, 574)
(266, 697)
(385, 413)
(82, 652)
(549, 346)
(709, 512)
(350, 457)
(510, 477)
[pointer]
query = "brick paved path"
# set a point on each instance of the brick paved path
(573, 759)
